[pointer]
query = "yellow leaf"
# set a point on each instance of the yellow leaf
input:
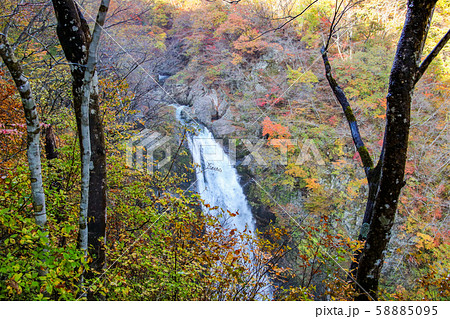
(312, 183)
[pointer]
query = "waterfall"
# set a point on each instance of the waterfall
(217, 179)
(218, 183)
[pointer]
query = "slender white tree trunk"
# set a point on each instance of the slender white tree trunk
(85, 164)
(89, 76)
(33, 135)
(33, 130)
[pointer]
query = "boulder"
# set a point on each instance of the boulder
(222, 127)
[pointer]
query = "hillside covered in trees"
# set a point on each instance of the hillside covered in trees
(333, 115)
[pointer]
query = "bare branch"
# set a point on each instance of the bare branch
(133, 18)
(286, 22)
(343, 101)
(8, 24)
(227, 1)
(337, 17)
(425, 63)
(27, 31)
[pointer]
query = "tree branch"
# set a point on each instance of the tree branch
(337, 17)
(285, 23)
(424, 65)
(343, 101)
(10, 16)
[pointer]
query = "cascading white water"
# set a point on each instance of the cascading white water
(217, 179)
(218, 185)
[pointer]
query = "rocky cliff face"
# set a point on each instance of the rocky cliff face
(215, 109)
(208, 106)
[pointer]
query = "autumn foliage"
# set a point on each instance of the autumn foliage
(274, 130)
(160, 245)
(12, 121)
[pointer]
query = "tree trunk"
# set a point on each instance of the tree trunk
(33, 133)
(386, 178)
(74, 36)
(82, 53)
(395, 145)
(85, 141)
(50, 144)
(97, 182)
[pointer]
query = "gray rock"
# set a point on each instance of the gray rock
(187, 114)
(222, 127)
(208, 106)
